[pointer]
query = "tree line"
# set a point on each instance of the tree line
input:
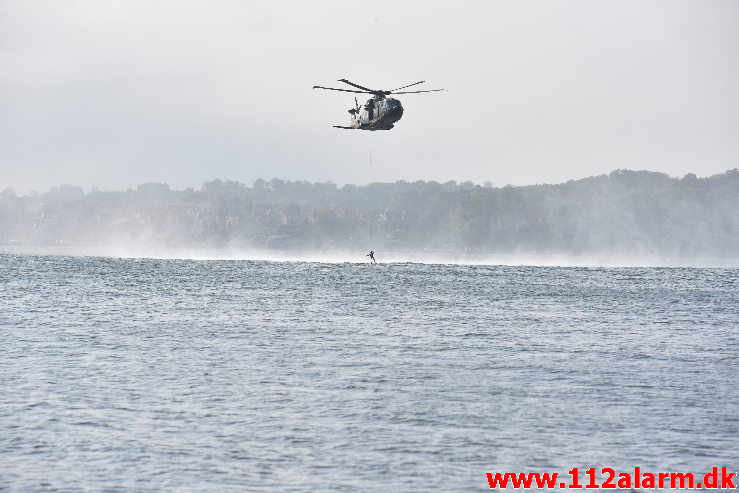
(624, 212)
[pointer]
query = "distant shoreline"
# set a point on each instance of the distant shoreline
(624, 218)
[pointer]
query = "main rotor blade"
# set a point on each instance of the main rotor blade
(355, 85)
(409, 85)
(342, 90)
(414, 92)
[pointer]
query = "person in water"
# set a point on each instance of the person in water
(371, 255)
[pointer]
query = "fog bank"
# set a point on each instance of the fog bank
(624, 218)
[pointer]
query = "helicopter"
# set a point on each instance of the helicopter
(379, 112)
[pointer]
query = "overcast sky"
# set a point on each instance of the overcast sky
(117, 93)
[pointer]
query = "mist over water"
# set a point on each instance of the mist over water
(355, 256)
(138, 374)
(625, 218)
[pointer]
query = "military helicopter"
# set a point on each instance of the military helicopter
(379, 112)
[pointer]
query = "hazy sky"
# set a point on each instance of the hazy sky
(116, 93)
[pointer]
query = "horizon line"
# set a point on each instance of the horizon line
(468, 183)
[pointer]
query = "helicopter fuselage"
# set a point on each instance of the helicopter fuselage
(376, 114)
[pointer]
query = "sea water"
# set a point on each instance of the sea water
(183, 375)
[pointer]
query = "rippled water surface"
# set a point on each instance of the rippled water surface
(182, 375)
